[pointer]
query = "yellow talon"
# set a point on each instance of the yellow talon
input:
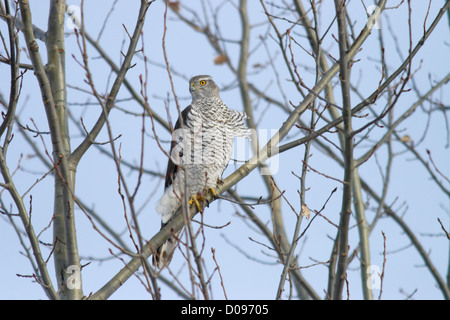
(199, 197)
(195, 198)
(213, 192)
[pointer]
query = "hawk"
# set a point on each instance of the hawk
(202, 143)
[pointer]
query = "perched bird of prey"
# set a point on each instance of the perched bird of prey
(202, 144)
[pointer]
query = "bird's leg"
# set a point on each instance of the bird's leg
(195, 198)
(213, 192)
(200, 197)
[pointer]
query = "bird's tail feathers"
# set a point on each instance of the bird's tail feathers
(167, 207)
(163, 255)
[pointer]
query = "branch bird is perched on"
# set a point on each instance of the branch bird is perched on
(202, 143)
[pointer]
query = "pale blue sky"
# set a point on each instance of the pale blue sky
(411, 192)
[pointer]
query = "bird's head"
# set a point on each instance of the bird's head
(203, 86)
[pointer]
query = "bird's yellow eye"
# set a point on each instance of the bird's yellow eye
(203, 82)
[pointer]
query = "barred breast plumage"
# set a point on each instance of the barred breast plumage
(202, 144)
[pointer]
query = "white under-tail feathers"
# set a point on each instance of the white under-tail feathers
(168, 204)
